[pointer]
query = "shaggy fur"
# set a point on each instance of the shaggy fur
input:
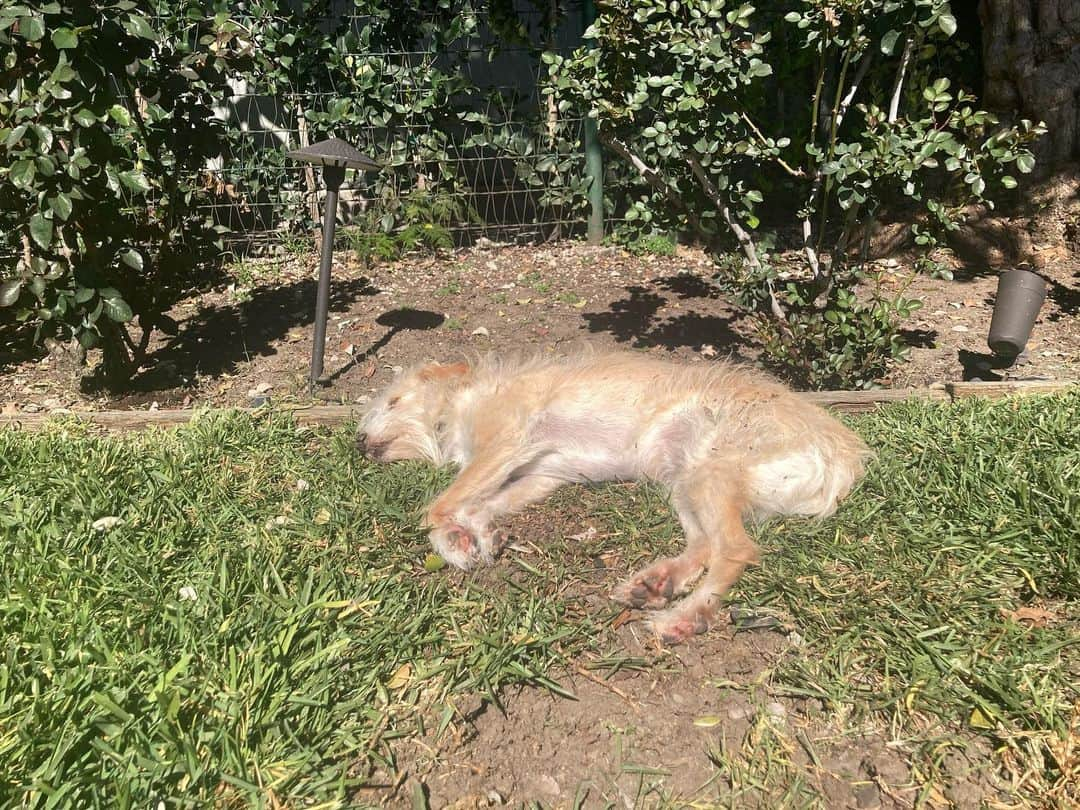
(727, 442)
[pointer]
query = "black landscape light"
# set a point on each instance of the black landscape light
(335, 156)
(1020, 296)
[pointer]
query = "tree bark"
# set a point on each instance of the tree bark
(1031, 58)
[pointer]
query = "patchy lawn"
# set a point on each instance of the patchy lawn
(238, 612)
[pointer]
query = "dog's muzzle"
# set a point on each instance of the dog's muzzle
(369, 448)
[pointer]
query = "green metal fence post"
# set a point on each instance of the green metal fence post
(594, 161)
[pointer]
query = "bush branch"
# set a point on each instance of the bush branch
(654, 179)
(898, 86)
(746, 242)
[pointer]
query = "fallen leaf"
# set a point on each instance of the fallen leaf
(708, 351)
(708, 721)
(588, 534)
(1030, 614)
(481, 330)
(369, 370)
(322, 517)
(979, 720)
(401, 677)
(621, 619)
(433, 563)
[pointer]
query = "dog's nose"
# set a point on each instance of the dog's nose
(361, 442)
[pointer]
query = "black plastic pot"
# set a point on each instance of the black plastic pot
(1020, 296)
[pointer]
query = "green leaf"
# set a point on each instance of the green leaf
(1025, 163)
(135, 180)
(947, 24)
(32, 28)
(132, 258)
(139, 26)
(61, 205)
(41, 230)
(22, 173)
(84, 118)
(120, 115)
(1008, 181)
(64, 38)
(117, 309)
(9, 291)
(888, 42)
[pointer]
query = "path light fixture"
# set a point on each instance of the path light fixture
(335, 156)
(1020, 296)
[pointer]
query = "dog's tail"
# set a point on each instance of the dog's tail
(812, 475)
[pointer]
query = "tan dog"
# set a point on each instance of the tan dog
(727, 442)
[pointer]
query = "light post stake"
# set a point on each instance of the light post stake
(334, 156)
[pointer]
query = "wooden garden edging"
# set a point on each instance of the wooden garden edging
(846, 401)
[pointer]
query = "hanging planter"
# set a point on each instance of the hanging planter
(1020, 296)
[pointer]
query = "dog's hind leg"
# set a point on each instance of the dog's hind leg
(657, 584)
(713, 495)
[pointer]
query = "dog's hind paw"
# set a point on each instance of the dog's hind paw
(645, 590)
(679, 625)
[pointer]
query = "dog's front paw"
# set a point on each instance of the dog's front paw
(456, 544)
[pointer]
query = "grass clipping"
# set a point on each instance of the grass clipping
(239, 610)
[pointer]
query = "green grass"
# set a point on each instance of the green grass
(316, 637)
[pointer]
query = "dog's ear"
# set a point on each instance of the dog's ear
(438, 371)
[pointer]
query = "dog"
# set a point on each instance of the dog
(728, 443)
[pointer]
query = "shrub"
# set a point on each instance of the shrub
(831, 109)
(106, 127)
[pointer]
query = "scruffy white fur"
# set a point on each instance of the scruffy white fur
(727, 441)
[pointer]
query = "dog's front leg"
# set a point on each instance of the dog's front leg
(460, 518)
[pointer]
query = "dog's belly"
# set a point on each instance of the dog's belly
(614, 446)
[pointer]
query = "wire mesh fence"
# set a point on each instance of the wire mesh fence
(470, 145)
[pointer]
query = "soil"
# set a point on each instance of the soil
(251, 338)
(697, 726)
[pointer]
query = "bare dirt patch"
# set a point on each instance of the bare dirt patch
(697, 725)
(252, 337)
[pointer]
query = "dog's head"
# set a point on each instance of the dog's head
(405, 420)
